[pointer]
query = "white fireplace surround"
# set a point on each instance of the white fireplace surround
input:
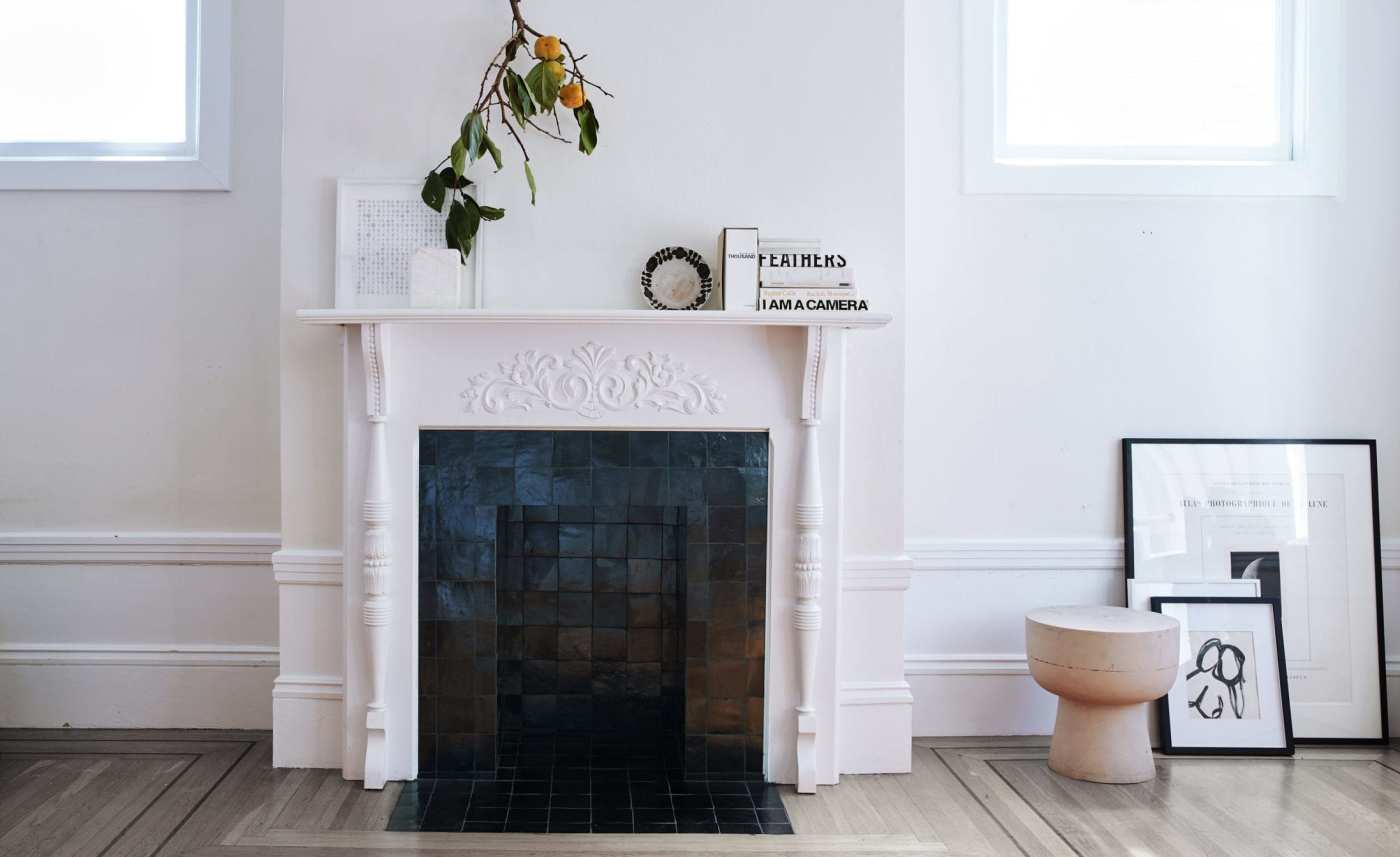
(406, 370)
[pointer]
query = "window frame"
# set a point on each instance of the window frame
(1309, 163)
(200, 162)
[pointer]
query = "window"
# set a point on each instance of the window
(131, 95)
(1180, 97)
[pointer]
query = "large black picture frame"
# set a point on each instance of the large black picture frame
(1131, 563)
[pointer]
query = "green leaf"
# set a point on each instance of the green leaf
(434, 191)
(587, 127)
(473, 132)
(462, 223)
(530, 177)
(490, 213)
(522, 104)
(459, 156)
(451, 179)
(543, 87)
(494, 150)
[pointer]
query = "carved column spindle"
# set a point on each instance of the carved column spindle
(807, 614)
(378, 568)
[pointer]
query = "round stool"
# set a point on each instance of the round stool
(1105, 664)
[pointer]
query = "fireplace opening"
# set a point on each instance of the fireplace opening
(590, 607)
(592, 633)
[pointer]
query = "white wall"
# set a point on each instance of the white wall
(139, 364)
(1050, 327)
(727, 113)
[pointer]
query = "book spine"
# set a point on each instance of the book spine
(807, 277)
(767, 293)
(806, 300)
(739, 270)
(786, 257)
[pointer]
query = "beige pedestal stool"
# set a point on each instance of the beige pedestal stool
(1105, 664)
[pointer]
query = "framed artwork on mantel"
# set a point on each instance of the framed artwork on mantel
(379, 225)
(1301, 520)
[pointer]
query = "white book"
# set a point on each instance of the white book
(807, 277)
(769, 294)
(790, 243)
(738, 253)
(836, 300)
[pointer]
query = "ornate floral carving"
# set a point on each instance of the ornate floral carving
(592, 380)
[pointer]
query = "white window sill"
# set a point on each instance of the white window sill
(986, 176)
(115, 174)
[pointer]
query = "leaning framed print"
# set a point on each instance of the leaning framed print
(1302, 518)
(1231, 692)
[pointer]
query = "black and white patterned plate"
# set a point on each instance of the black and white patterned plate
(676, 278)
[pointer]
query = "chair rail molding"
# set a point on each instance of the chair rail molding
(309, 567)
(933, 554)
(138, 548)
(137, 655)
(876, 573)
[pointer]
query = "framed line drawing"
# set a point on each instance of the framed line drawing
(1298, 518)
(379, 223)
(1231, 691)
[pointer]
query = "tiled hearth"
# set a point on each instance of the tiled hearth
(582, 784)
(591, 632)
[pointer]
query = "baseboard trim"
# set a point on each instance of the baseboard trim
(137, 655)
(308, 567)
(1011, 664)
(138, 548)
(309, 687)
(876, 573)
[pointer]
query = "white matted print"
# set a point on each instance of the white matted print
(1230, 695)
(380, 224)
(1141, 592)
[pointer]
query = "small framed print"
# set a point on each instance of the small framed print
(379, 226)
(1231, 690)
(1299, 519)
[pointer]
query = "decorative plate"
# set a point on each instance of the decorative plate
(676, 278)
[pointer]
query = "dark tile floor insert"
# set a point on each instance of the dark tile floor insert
(548, 784)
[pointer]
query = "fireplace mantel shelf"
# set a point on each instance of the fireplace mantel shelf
(850, 320)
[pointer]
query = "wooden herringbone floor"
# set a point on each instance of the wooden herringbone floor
(104, 793)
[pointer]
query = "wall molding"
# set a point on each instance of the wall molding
(309, 567)
(1087, 554)
(138, 548)
(1012, 664)
(876, 693)
(137, 655)
(966, 664)
(876, 572)
(309, 687)
(1090, 555)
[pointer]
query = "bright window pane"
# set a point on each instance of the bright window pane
(1142, 73)
(92, 71)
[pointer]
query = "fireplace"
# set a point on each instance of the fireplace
(594, 585)
(793, 701)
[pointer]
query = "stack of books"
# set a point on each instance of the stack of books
(798, 274)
